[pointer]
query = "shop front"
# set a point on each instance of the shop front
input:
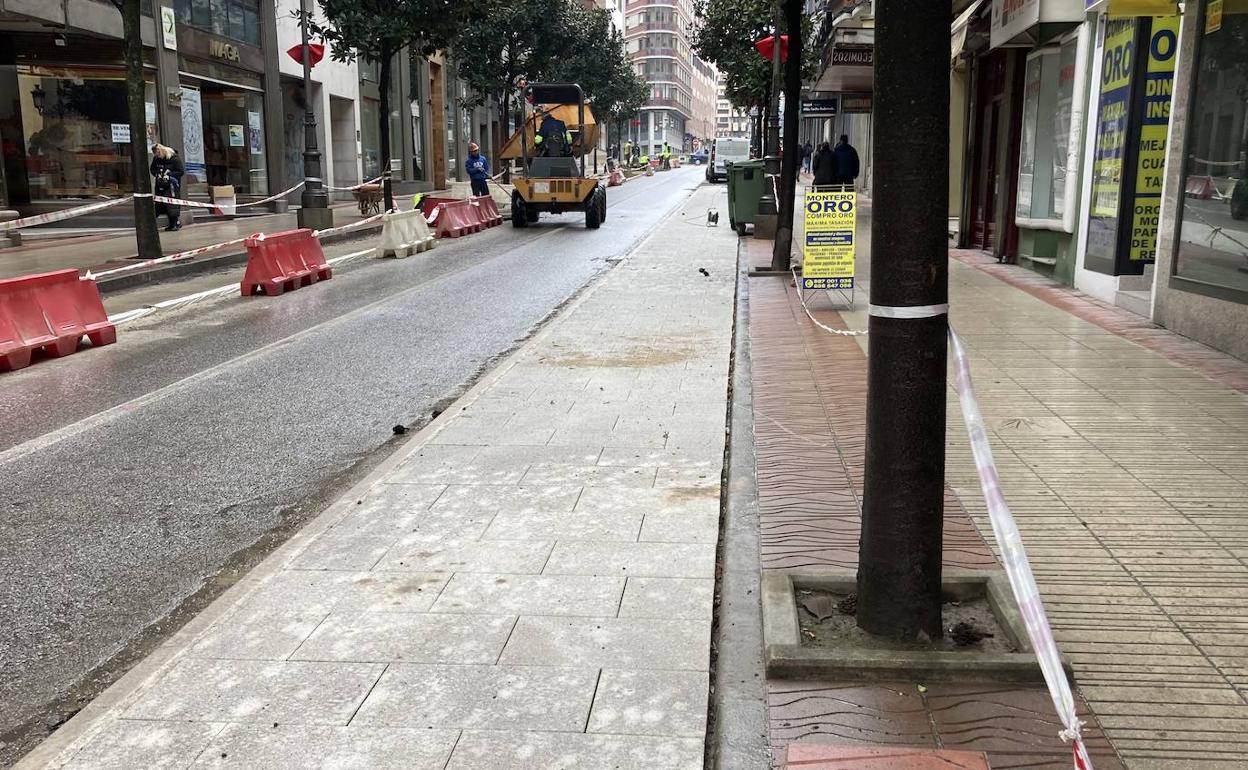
(222, 105)
(1201, 290)
(64, 121)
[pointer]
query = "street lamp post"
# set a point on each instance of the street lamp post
(768, 208)
(314, 211)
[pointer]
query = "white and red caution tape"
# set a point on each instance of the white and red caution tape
(162, 260)
(223, 206)
(190, 253)
(351, 226)
(1014, 557)
(190, 299)
(57, 216)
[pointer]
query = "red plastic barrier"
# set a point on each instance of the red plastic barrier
(487, 211)
(51, 312)
(456, 218)
(283, 261)
(1199, 187)
(428, 204)
(616, 178)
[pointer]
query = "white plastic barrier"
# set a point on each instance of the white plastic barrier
(404, 233)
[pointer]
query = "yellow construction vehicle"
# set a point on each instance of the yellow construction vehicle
(557, 134)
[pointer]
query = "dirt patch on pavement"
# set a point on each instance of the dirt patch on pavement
(827, 620)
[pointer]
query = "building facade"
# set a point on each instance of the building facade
(1105, 144)
(839, 101)
(222, 90)
(730, 120)
(681, 107)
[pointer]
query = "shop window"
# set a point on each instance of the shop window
(1049, 85)
(236, 19)
(370, 136)
(75, 126)
(1212, 242)
(223, 139)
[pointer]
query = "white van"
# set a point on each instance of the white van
(723, 152)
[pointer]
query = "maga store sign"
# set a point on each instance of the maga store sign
(1011, 18)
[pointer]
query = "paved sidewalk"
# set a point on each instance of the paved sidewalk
(1123, 452)
(529, 585)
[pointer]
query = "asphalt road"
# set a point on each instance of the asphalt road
(131, 475)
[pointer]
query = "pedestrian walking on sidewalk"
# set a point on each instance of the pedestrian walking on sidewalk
(167, 168)
(808, 152)
(824, 166)
(846, 162)
(478, 168)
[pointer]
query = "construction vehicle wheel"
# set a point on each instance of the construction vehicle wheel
(519, 215)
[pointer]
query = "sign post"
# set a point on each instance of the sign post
(831, 242)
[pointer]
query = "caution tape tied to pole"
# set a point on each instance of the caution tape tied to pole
(1010, 543)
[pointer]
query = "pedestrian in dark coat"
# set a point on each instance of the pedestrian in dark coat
(167, 168)
(824, 166)
(846, 162)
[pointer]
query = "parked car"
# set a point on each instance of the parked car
(700, 156)
(723, 152)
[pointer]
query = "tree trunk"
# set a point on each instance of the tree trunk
(781, 253)
(146, 231)
(383, 84)
(507, 132)
(899, 558)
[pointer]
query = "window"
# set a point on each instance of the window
(235, 19)
(76, 129)
(1212, 227)
(1048, 95)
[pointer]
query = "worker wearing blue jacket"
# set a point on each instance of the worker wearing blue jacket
(478, 168)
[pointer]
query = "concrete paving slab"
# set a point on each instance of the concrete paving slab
(627, 643)
(434, 554)
(266, 747)
(258, 692)
(564, 526)
(409, 637)
(650, 703)
(125, 744)
(482, 750)
(650, 597)
(497, 594)
(314, 591)
(677, 560)
(481, 697)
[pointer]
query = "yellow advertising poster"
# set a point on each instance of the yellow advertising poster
(1111, 122)
(831, 240)
(1154, 125)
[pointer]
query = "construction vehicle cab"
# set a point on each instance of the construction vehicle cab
(551, 146)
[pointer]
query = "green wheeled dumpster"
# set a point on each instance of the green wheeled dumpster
(745, 187)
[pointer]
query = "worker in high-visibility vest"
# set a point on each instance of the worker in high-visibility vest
(667, 156)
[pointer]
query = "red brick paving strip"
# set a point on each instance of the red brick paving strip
(1219, 367)
(807, 756)
(809, 406)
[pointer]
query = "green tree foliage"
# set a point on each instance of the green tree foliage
(594, 57)
(378, 29)
(510, 39)
(725, 32)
